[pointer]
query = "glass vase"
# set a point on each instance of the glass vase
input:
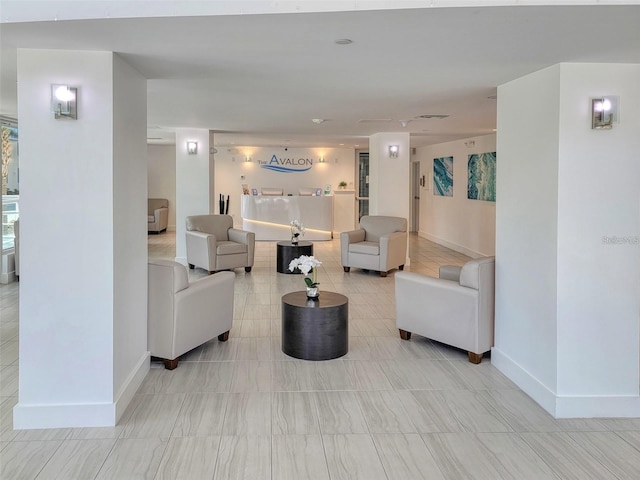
(313, 292)
(294, 239)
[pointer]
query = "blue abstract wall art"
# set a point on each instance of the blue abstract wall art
(443, 176)
(482, 177)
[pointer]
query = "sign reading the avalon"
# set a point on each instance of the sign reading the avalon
(287, 165)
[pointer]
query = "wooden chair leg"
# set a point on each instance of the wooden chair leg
(383, 274)
(347, 269)
(475, 358)
(404, 335)
(171, 364)
(223, 337)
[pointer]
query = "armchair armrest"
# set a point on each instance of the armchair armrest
(353, 236)
(393, 250)
(207, 301)
(248, 238)
(346, 238)
(439, 309)
(201, 247)
(161, 216)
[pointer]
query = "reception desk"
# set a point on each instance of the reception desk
(270, 217)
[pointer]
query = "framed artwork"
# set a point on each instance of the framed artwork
(443, 176)
(254, 192)
(481, 176)
(318, 192)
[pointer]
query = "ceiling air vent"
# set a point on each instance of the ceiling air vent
(432, 115)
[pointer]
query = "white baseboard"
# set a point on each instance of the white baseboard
(566, 406)
(452, 245)
(131, 385)
(523, 379)
(27, 417)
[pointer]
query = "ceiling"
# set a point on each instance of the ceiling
(260, 79)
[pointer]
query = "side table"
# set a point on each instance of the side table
(287, 252)
(315, 329)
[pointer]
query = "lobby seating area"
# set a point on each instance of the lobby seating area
(389, 409)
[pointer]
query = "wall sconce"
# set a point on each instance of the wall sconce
(604, 111)
(192, 148)
(247, 159)
(393, 151)
(64, 101)
(321, 160)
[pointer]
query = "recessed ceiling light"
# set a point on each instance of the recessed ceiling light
(343, 41)
(342, 144)
(318, 121)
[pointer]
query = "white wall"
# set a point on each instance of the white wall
(81, 205)
(232, 171)
(467, 226)
(563, 290)
(161, 161)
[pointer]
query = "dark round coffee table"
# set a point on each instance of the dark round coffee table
(315, 329)
(286, 252)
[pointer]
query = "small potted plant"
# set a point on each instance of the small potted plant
(297, 229)
(308, 264)
(342, 185)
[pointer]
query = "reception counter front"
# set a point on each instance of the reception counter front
(270, 217)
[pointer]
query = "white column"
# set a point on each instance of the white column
(567, 298)
(194, 183)
(389, 178)
(83, 282)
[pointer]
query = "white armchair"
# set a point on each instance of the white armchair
(213, 244)
(456, 309)
(379, 244)
(183, 315)
(157, 214)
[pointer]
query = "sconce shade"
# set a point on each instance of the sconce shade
(192, 148)
(64, 101)
(393, 151)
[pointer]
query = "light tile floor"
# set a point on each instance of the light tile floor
(389, 409)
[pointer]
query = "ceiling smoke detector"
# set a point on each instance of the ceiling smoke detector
(318, 121)
(344, 41)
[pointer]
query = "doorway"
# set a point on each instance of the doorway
(415, 197)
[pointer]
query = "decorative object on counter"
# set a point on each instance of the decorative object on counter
(308, 264)
(342, 185)
(297, 229)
